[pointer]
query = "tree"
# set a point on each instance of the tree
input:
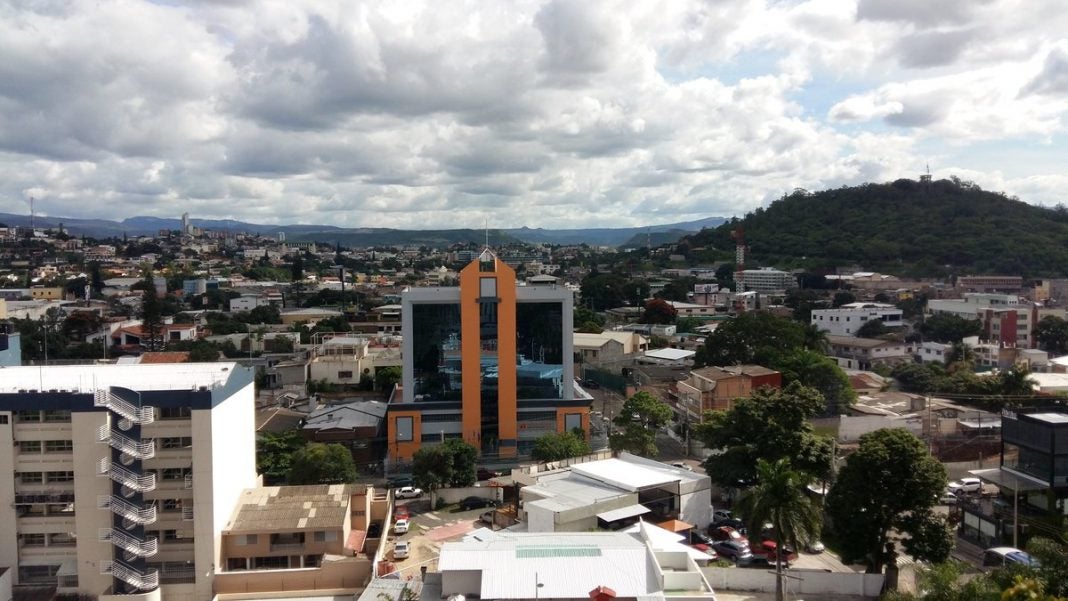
(778, 498)
(1053, 564)
(449, 464)
(587, 321)
(640, 418)
(771, 425)
(843, 298)
(684, 325)
(602, 291)
(753, 337)
(947, 328)
(559, 445)
(889, 481)
(388, 377)
(943, 582)
(815, 370)
(274, 453)
(872, 329)
(659, 311)
(319, 463)
(151, 314)
(1051, 333)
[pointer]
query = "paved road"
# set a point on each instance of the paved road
(429, 529)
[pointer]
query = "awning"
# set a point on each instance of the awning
(675, 526)
(1011, 480)
(623, 513)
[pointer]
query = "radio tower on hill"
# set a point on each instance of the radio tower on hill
(739, 249)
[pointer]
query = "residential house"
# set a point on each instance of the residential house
(716, 388)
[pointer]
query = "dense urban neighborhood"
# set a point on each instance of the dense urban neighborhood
(218, 414)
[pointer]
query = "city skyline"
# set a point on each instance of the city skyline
(554, 114)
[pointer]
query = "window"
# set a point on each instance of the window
(64, 509)
(174, 413)
(59, 446)
(246, 539)
(171, 505)
(61, 539)
(572, 421)
(27, 416)
(38, 574)
(3, 419)
(344, 375)
(487, 287)
(31, 477)
(57, 415)
(32, 540)
(60, 477)
(440, 417)
(173, 473)
(325, 536)
(29, 446)
(234, 564)
(177, 442)
(404, 429)
(170, 536)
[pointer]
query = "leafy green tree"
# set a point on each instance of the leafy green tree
(432, 467)
(872, 329)
(263, 314)
(151, 314)
(815, 370)
(753, 337)
(684, 325)
(1051, 333)
(319, 463)
(944, 582)
(843, 298)
(677, 290)
(778, 498)
(200, 351)
(1053, 564)
(658, 311)
(771, 425)
(948, 328)
(388, 377)
(588, 321)
(464, 459)
(635, 292)
(274, 454)
(884, 485)
(559, 445)
(603, 291)
(640, 418)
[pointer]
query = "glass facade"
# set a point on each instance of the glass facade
(489, 369)
(539, 345)
(436, 352)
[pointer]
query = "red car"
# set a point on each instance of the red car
(767, 549)
(725, 533)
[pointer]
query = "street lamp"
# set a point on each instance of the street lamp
(537, 585)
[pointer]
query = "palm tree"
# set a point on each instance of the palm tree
(778, 498)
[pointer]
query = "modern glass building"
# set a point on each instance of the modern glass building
(487, 362)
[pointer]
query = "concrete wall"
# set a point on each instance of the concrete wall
(5, 583)
(349, 573)
(455, 495)
(852, 428)
(810, 582)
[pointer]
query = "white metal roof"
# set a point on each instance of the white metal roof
(626, 475)
(87, 378)
(670, 354)
(623, 512)
(556, 565)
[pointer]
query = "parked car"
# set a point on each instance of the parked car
(1005, 556)
(815, 546)
(737, 524)
(682, 466)
(401, 549)
(721, 514)
(966, 485)
(485, 474)
(732, 550)
(948, 498)
(727, 533)
(700, 538)
(374, 530)
(400, 481)
(486, 517)
(755, 561)
(475, 503)
(408, 492)
(400, 512)
(768, 548)
(401, 526)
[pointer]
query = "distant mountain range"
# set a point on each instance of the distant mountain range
(354, 237)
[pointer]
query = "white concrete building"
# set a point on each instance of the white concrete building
(847, 319)
(117, 480)
(765, 279)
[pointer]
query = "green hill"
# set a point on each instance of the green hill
(904, 228)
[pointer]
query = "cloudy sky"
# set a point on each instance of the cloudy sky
(551, 113)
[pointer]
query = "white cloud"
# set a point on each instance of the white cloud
(555, 113)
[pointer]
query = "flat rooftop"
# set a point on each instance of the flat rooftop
(290, 508)
(87, 378)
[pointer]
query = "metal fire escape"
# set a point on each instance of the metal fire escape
(130, 513)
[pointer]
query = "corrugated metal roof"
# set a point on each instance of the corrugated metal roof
(290, 508)
(623, 513)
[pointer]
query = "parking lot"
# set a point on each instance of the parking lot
(428, 530)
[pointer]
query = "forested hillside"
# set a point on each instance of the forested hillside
(905, 227)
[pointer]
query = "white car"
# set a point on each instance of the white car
(401, 526)
(682, 466)
(948, 498)
(408, 492)
(401, 549)
(966, 485)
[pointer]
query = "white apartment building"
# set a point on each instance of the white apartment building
(116, 481)
(847, 319)
(971, 303)
(765, 279)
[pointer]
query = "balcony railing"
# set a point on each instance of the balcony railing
(134, 448)
(131, 544)
(146, 581)
(129, 511)
(287, 546)
(137, 415)
(138, 482)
